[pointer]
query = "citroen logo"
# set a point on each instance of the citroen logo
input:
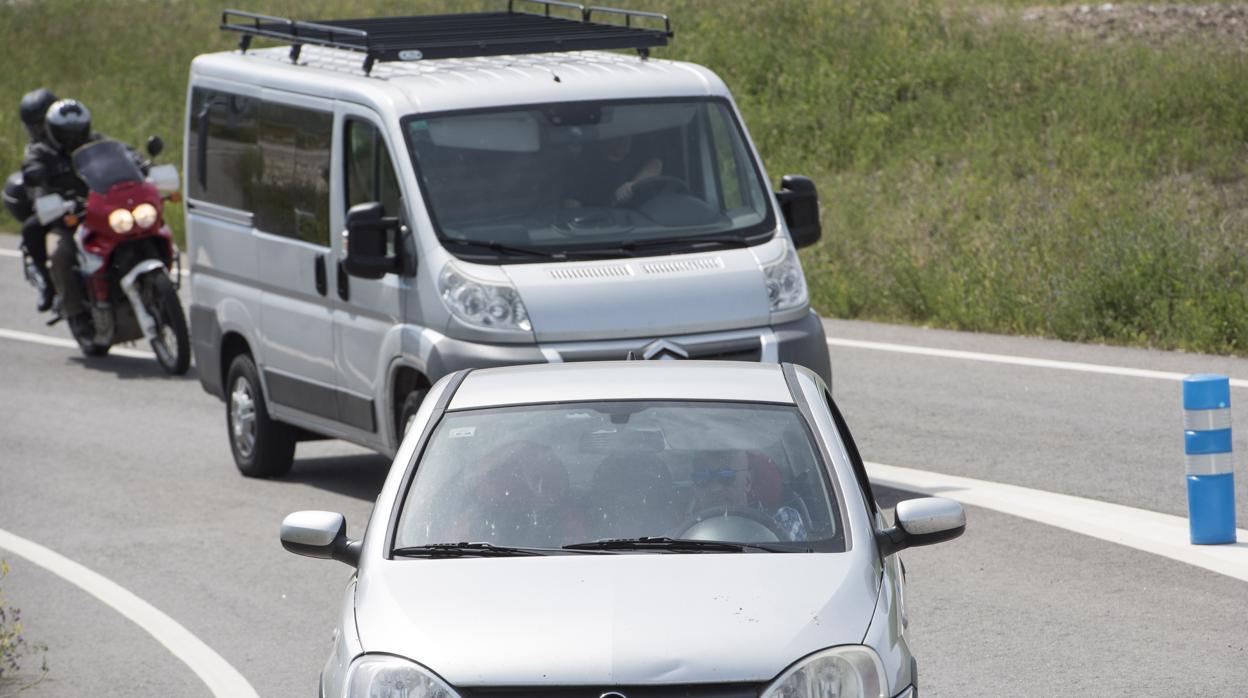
(612, 694)
(662, 349)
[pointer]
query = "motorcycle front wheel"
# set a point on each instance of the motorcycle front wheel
(172, 342)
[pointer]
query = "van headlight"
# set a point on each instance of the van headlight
(484, 304)
(786, 287)
(841, 672)
(383, 676)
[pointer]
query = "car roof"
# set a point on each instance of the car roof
(450, 84)
(726, 381)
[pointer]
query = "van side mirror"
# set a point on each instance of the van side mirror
(922, 522)
(372, 242)
(320, 534)
(155, 146)
(799, 202)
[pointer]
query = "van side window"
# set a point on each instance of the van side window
(370, 173)
(222, 172)
(292, 189)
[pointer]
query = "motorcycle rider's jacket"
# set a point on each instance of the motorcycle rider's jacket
(47, 170)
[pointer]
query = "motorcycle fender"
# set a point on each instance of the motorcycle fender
(129, 284)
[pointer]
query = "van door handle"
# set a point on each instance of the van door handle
(344, 281)
(322, 283)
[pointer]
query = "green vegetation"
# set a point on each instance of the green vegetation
(976, 171)
(14, 647)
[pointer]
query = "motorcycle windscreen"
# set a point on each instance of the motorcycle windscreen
(105, 164)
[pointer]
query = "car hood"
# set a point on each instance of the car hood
(610, 620)
(653, 296)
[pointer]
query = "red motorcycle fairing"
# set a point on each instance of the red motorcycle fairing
(98, 240)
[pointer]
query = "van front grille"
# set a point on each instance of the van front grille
(701, 690)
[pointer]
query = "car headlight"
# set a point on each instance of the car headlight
(841, 672)
(121, 221)
(382, 676)
(482, 303)
(786, 287)
(145, 215)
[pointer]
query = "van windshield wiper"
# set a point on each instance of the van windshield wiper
(500, 247)
(675, 545)
(464, 550)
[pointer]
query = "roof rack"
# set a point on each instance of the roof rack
(516, 31)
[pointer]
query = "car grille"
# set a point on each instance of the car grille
(720, 690)
(748, 348)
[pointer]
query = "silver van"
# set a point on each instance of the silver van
(385, 201)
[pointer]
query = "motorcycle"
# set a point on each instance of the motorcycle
(127, 264)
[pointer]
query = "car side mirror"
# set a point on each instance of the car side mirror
(799, 202)
(320, 534)
(922, 522)
(372, 241)
(155, 146)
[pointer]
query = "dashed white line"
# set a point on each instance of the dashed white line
(44, 339)
(1149, 531)
(1017, 360)
(217, 674)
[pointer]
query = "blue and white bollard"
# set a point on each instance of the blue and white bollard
(1210, 463)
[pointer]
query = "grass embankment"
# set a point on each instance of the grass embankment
(980, 174)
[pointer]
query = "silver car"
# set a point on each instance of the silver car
(627, 529)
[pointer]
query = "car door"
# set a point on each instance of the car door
(368, 313)
(291, 207)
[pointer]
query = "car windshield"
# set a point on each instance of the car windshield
(549, 476)
(663, 176)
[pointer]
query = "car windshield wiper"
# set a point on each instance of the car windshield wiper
(465, 550)
(675, 545)
(691, 241)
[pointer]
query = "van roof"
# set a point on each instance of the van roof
(459, 83)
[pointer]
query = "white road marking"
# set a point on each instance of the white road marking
(216, 673)
(68, 343)
(1149, 531)
(1018, 360)
(18, 255)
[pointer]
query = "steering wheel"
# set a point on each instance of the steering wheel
(650, 187)
(730, 520)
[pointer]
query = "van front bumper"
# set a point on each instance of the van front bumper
(800, 342)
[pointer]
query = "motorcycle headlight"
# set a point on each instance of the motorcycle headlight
(121, 221)
(484, 304)
(841, 672)
(145, 215)
(380, 676)
(786, 287)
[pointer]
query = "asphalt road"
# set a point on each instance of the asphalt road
(128, 472)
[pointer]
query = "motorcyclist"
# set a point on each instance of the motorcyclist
(48, 169)
(33, 110)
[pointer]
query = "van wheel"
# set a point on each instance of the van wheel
(262, 447)
(411, 404)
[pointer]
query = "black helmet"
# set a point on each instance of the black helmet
(34, 109)
(15, 198)
(69, 124)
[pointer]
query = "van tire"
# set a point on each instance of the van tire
(411, 404)
(263, 447)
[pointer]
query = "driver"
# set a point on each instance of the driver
(723, 479)
(610, 172)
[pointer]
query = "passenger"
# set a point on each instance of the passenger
(523, 500)
(33, 111)
(725, 479)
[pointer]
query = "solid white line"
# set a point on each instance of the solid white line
(1018, 360)
(17, 254)
(68, 343)
(1149, 531)
(216, 673)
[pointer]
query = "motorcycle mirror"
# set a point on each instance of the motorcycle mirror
(155, 146)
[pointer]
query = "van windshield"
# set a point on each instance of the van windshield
(600, 179)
